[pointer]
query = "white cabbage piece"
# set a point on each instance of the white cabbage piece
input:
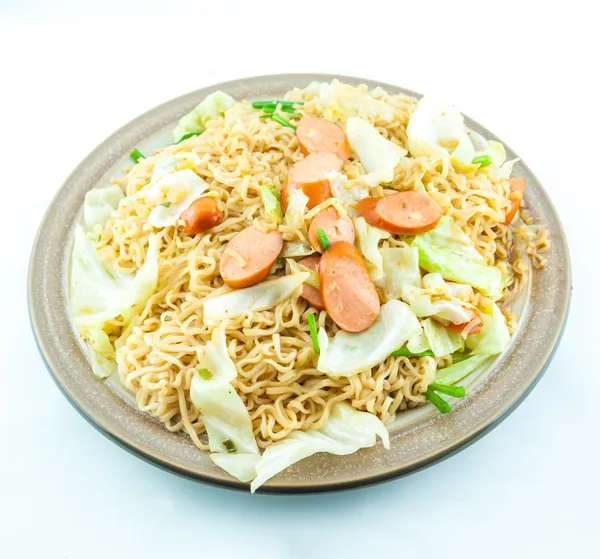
(213, 106)
(99, 205)
(98, 294)
(296, 208)
(224, 414)
(347, 354)
(168, 163)
(418, 343)
(297, 268)
(488, 147)
(425, 303)
(272, 203)
(458, 371)
(377, 154)
(494, 336)
(441, 340)
(297, 248)
(448, 251)
(346, 431)
(259, 297)
(400, 269)
(167, 215)
(437, 130)
(368, 242)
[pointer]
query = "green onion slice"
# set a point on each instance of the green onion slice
(263, 104)
(282, 121)
(205, 374)
(188, 135)
(454, 391)
(325, 244)
(312, 326)
(438, 402)
(166, 204)
(404, 352)
(229, 446)
(99, 238)
(136, 155)
(482, 160)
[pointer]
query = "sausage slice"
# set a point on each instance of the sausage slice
(312, 295)
(404, 213)
(202, 214)
(317, 135)
(517, 190)
(335, 227)
(248, 257)
(347, 291)
(309, 174)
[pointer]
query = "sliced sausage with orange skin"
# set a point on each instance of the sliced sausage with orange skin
(317, 135)
(403, 213)
(311, 294)
(347, 291)
(310, 174)
(248, 257)
(517, 190)
(202, 214)
(335, 227)
(458, 328)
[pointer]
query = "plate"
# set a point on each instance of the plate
(420, 441)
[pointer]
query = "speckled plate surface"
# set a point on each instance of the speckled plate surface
(418, 440)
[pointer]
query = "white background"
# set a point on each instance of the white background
(73, 72)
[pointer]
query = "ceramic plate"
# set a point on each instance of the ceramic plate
(419, 439)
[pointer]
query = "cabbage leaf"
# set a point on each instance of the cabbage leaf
(441, 340)
(213, 106)
(345, 431)
(272, 203)
(368, 241)
(400, 269)
(347, 354)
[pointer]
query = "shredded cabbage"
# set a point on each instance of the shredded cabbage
(259, 297)
(440, 340)
(213, 106)
(347, 354)
(224, 414)
(297, 268)
(296, 208)
(377, 154)
(400, 269)
(368, 241)
(272, 203)
(297, 248)
(449, 252)
(99, 205)
(427, 303)
(168, 215)
(346, 431)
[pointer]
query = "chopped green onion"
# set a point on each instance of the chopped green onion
(166, 204)
(188, 135)
(404, 352)
(325, 244)
(282, 121)
(268, 109)
(229, 446)
(136, 155)
(262, 104)
(279, 260)
(438, 402)
(459, 356)
(482, 160)
(99, 238)
(312, 326)
(205, 374)
(287, 109)
(454, 391)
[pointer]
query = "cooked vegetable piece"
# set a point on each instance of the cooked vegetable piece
(517, 189)
(310, 175)
(188, 135)
(312, 326)
(482, 160)
(272, 203)
(263, 104)
(136, 155)
(438, 402)
(312, 295)
(475, 325)
(454, 391)
(202, 215)
(317, 135)
(405, 352)
(248, 257)
(403, 213)
(347, 291)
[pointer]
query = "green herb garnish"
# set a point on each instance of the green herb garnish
(438, 401)
(279, 260)
(404, 352)
(205, 374)
(274, 103)
(99, 238)
(229, 446)
(325, 244)
(312, 326)
(454, 391)
(482, 160)
(280, 120)
(136, 155)
(188, 135)
(166, 204)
